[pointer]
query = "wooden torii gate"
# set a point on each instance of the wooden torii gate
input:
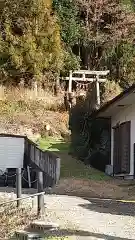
(88, 76)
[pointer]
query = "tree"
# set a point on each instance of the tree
(110, 90)
(67, 12)
(69, 21)
(105, 24)
(30, 43)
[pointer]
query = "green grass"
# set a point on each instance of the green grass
(53, 144)
(76, 169)
(70, 167)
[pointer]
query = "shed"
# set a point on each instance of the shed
(121, 112)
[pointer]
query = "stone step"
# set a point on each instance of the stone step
(40, 225)
(28, 235)
(36, 230)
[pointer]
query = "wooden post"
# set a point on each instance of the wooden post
(84, 78)
(70, 82)
(29, 178)
(58, 162)
(40, 197)
(18, 185)
(98, 90)
(35, 87)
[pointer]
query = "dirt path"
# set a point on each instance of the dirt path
(114, 189)
(84, 181)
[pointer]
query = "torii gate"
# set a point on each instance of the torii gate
(99, 77)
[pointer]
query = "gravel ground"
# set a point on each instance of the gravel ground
(94, 219)
(89, 219)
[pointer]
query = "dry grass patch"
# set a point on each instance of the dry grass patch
(18, 97)
(18, 94)
(25, 112)
(12, 219)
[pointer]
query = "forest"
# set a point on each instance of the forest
(41, 40)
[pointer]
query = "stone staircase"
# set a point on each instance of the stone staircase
(37, 230)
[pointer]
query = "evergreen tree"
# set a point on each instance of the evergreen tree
(70, 25)
(30, 42)
(101, 33)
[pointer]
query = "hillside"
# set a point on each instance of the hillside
(23, 113)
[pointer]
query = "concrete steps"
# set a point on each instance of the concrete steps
(37, 230)
(43, 226)
(27, 235)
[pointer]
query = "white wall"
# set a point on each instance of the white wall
(11, 152)
(127, 114)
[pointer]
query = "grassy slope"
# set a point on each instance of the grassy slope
(80, 180)
(70, 167)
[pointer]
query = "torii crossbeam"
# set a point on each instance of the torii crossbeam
(88, 76)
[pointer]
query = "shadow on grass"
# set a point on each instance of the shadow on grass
(79, 234)
(61, 233)
(110, 207)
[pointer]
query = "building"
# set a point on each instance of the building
(121, 113)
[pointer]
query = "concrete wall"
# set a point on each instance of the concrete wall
(127, 114)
